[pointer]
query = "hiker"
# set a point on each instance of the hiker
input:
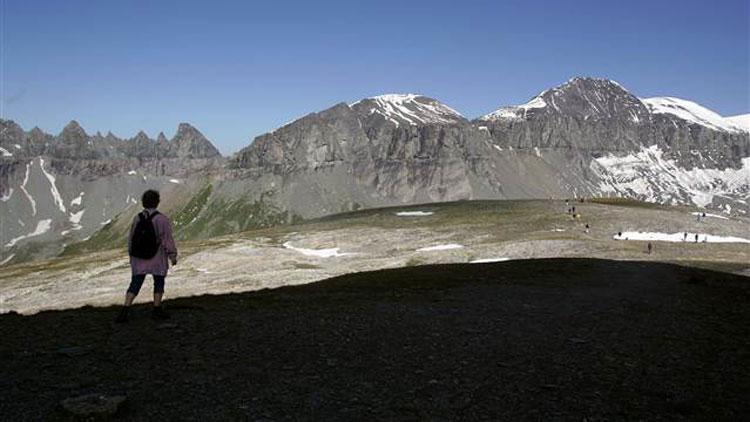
(150, 245)
(696, 238)
(619, 234)
(587, 227)
(574, 209)
(684, 238)
(650, 248)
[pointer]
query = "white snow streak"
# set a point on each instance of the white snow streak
(77, 200)
(709, 215)
(6, 260)
(321, 253)
(485, 260)
(23, 188)
(445, 247)
(53, 187)
(42, 227)
(414, 213)
(5, 153)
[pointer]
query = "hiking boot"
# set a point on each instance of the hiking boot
(159, 313)
(122, 317)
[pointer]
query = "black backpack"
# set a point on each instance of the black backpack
(144, 243)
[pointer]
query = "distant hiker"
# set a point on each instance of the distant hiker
(587, 227)
(696, 238)
(574, 209)
(684, 238)
(650, 248)
(619, 234)
(150, 245)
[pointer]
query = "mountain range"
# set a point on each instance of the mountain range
(587, 137)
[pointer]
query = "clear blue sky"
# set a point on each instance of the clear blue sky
(238, 69)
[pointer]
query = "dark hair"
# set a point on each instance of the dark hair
(150, 199)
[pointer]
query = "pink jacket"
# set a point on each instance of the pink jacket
(158, 265)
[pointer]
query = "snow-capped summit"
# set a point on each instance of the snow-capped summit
(584, 98)
(410, 109)
(742, 121)
(691, 112)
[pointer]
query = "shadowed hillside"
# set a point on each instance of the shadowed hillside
(568, 339)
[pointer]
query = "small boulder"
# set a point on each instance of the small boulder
(93, 405)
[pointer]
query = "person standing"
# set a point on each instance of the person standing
(151, 247)
(650, 247)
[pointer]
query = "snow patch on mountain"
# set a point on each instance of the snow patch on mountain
(56, 197)
(412, 109)
(701, 214)
(5, 153)
(75, 219)
(414, 213)
(78, 200)
(321, 253)
(6, 196)
(26, 192)
(691, 112)
(516, 112)
(678, 237)
(7, 260)
(42, 227)
(446, 247)
(742, 121)
(648, 175)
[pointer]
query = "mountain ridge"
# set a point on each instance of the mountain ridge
(587, 137)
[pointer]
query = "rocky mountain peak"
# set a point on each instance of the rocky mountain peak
(141, 136)
(580, 98)
(36, 132)
(408, 109)
(189, 142)
(73, 129)
(161, 138)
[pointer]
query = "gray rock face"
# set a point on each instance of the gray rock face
(587, 137)
(663, 149)
(385, 150)
(598, 116)
(56, 190)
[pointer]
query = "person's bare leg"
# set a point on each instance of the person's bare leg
(157, 299)
(129, 297)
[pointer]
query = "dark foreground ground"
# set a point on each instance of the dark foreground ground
(564, 339)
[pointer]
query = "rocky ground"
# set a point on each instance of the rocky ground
(553, 339)
(459, 232)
